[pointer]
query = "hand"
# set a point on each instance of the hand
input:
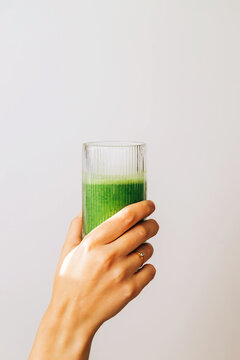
(98, 275)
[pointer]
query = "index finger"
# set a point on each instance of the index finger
(120, 222)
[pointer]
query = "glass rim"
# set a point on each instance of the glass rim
(112, 143)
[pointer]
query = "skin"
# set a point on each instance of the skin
(95, 278)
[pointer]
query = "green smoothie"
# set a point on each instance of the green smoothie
(103, 198)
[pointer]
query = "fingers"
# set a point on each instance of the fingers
(143, 276)
(133, 238)
(140, 279)
(120, 222)
(74, 236)
(133, 261)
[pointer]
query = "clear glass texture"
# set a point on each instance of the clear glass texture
(113, 176)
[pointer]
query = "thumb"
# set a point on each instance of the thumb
(73, 238)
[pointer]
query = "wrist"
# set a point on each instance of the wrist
(63, 334)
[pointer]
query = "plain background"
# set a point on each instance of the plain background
(163, 72)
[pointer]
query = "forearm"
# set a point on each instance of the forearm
(60, 336)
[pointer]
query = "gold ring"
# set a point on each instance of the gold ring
(141, 255)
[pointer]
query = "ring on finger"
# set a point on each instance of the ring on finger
(141, 255)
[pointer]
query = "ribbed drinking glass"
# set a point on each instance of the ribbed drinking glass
(113, 176)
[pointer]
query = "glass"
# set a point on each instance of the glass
(113, 176)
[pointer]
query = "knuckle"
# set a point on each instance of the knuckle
(118, 274)
(101, 261)
(108, 258)
(142, 231)
(129, 291)
(128, 215)
(86, 245)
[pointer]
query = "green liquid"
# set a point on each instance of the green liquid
(103, 199)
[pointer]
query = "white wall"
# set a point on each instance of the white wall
(164, 72)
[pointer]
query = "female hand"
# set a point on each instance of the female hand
(95, 278)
